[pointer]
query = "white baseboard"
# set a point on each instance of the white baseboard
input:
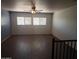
(5, 38)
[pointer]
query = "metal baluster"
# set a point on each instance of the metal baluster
(56, 50)
(74, 50)
(63, 50)
(71, 51)
(60, 50)
(67, 50)
(53, 46)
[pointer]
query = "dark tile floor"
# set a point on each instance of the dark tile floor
(28, 47)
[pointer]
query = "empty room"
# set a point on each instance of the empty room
(38, 29)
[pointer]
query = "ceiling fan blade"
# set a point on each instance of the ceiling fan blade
(39, 10)
(27, 10)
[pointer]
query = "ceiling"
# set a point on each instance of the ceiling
(45, 5)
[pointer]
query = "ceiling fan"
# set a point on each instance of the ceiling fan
(33, 9)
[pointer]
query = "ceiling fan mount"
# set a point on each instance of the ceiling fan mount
(33, 8)
(33, 11)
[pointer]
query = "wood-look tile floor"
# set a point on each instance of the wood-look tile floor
(28, 47)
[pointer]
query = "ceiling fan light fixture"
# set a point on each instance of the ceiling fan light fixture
(33, 12)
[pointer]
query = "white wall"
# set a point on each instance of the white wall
(64, 24)
(30, 29)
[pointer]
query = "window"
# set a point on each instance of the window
(39, 21)
(20, 20)
(35, 21)
(27, 21)
(23, 20)
(42, 21)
